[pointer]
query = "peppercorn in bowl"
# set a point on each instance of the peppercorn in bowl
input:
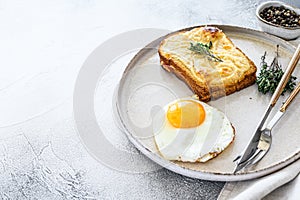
(280, 19)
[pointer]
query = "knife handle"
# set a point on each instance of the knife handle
(286, 76)
(290, 98)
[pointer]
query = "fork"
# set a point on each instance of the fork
(261, 140)
(265, 140)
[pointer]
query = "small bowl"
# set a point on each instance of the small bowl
(288, 33)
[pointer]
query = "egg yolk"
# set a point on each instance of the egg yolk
(186, 114)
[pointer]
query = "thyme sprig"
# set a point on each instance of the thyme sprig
(270, 75)
(204, 49)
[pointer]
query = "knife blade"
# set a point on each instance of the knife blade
(252, 145)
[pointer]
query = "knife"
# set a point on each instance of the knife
(252, 145)
(283, 108)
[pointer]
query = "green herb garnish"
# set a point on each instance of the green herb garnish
(204, 49)
(269, 76)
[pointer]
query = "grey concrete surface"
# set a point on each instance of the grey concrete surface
(43, 45)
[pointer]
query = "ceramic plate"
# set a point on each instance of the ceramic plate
(145, 88)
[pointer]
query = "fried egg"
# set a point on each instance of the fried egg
(189, 130)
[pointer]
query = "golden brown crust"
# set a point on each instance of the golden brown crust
(198, 83)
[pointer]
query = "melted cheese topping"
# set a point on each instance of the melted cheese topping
(230, 71)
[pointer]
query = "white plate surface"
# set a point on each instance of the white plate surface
(145, 87)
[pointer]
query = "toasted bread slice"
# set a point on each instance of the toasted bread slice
(206, 76)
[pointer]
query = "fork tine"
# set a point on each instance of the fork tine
(263, 147)
(247, 162)
(257, 156)
(238, 168)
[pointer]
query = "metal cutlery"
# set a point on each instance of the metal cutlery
(265, 140)
(261, 140)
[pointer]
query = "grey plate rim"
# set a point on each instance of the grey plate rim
(188, 172)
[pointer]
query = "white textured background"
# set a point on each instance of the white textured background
(42, 47)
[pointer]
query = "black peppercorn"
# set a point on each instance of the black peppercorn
(281, 16)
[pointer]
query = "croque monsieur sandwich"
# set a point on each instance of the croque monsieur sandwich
(207, 60)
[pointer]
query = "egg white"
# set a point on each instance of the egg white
(198, 144)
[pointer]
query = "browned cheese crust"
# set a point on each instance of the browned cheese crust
(233, 76)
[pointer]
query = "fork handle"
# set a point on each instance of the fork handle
(290, 98)
(286, 76)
